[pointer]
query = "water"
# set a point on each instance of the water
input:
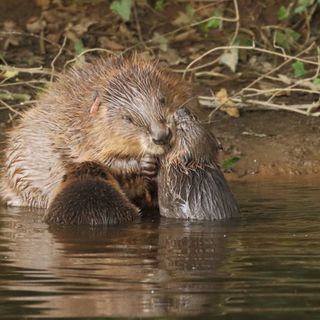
(265, 265)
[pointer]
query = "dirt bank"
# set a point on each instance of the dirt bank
(270, 143)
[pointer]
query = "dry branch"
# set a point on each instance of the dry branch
(305, 109)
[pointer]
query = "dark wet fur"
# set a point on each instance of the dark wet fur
(90, 199)
(191, 184)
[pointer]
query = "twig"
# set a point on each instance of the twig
(286, 80)
(21, 104)
(38, 70)
(136, 18)
(271, 106)
(85, 52)
(212, 74)
(26, 34)
(10, 108)
(259, 92)
(278, 67)
(19, 83)
(240, 92)
(56, 58)
(247, 48)
(237, 21)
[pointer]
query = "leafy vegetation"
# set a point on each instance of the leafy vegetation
(160, 4)
(298, 69)
(122, 8)
(229, 163)
(283, 13)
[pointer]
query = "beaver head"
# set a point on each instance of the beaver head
(195, 143)
(141, 98)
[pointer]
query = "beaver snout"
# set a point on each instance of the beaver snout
(161, 135)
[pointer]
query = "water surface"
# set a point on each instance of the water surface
(265, 265)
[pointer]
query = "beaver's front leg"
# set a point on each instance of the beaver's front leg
(136, 178)
(149, 166)
(146, 166)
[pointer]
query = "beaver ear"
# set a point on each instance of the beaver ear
(95, 104)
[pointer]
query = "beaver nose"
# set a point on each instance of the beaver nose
(161, 136)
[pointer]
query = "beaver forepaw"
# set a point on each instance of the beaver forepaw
(149, 166)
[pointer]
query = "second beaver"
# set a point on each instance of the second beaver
(89, 195)
(191, 184)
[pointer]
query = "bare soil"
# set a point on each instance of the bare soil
(270, 143)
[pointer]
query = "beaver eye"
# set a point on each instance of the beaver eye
(127, 118)
(162, 101)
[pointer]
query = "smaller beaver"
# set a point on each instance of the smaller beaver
(191, 184)
(89, 195)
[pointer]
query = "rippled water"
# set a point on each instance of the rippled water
(265, 265)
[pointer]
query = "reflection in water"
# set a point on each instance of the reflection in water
(264, 265)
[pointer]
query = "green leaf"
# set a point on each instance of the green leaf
(282, 39)
(212, 23)
(286, 38)
(295, 35)
(191, 13)
(244, 41)
(300, 9)
(122, 8)
(78, 47)
(316, 81)
(298, 69)
(283, 13)
(159, 5)
(229, 163)
(302, 5)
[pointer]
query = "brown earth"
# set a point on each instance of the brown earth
(271, 144)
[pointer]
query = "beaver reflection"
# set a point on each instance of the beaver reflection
(191, 184)
(90, 195)
(145, 269)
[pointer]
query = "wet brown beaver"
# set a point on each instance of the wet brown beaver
(191, 184)
(89, 195)
(116, 111)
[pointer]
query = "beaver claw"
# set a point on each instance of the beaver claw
(149, 166)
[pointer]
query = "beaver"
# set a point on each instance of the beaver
(89, 194)
(117, 111)
(191, 184)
